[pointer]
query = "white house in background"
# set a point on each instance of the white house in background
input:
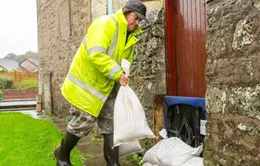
(8, 64)
(29, 65)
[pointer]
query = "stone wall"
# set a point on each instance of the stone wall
(152, 5)
(148, 68)
(98, 8)
(19, 93)
(233, 83)
(118, 4)
(61, 27)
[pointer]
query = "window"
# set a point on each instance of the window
(64, 14)
(60, 1)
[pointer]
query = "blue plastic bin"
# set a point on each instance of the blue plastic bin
(169, 101)
(186, 126)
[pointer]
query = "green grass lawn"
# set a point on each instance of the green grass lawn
(25, 141)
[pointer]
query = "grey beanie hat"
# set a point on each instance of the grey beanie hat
(138, 7)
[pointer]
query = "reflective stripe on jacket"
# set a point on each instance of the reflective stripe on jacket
(96, 65)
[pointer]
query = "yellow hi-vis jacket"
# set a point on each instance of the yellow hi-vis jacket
(96, 65)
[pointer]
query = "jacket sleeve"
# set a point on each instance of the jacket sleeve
(99, 38)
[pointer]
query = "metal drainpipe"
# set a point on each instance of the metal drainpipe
(109, 6)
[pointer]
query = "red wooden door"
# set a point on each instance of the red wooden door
(185, 47)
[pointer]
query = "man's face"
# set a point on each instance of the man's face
(133, 21)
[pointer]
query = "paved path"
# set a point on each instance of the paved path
(16, 105)
(91, 144)
(86, 145)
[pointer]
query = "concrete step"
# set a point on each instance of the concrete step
(87, 145)
(17, 105)
(91, 148)
(98, 160)
(59, 121)
(12, 100)
(95, 160)
(16, 109)
(61, 126)
(85, 140)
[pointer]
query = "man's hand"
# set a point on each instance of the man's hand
(123, 79)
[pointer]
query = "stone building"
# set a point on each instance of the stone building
(233, 83)
(232, 73)
(61, 27)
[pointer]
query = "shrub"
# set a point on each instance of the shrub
(3, 70)
(6, 82)
(30, 83)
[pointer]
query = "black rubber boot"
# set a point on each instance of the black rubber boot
(62, 152)
(110, 153)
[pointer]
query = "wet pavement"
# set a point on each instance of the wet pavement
(35, 114)
(32, 113)
(90, 145)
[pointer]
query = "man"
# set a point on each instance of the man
(90, 86)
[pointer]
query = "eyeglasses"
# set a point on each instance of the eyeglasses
(136, 18)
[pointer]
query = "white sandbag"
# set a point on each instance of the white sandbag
(132, 147)
(129, 117)
(150, 156)
(149, 164)
(174, 152)
(171, 152)
(163, 133)
(195, 161)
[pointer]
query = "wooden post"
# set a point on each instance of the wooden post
(38, 103)
(158, 115)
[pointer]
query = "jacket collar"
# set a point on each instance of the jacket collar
(120, 17)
